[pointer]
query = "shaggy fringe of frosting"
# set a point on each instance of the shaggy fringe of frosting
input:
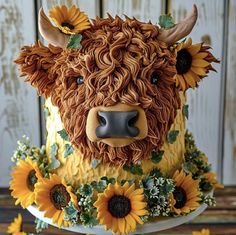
(117, 59)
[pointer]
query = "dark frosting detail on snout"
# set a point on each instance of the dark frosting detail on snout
(115, 124)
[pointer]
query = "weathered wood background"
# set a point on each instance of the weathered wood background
(212, 106)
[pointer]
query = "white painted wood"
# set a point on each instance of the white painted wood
(230, 102)
(204, 102)
(19, 110)
(90, 7)
(144, 10)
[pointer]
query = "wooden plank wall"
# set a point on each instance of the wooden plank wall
(230, 100)
(19, 110)
(207, 113)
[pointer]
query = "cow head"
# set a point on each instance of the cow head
(116, 94)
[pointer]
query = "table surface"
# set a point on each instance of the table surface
(221, 220)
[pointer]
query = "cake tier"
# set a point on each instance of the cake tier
(78, 169)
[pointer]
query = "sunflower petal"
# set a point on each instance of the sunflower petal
(194, 49)
(200, 63)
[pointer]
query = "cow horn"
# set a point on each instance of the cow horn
(180, 30)
(50, 33)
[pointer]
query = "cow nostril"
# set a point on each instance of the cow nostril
(102, 120)
(133, 120)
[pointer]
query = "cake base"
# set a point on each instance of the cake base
(141, 229)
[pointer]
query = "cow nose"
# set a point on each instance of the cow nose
(115, 124)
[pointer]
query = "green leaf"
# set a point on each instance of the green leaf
(134, 169)
(148, 183)
(63, 135)
(88, 220)
(172, 136)
(189, 167)
(185, 111)
(68, 150)
(166, 21)
(155, 173)
(157, 156)
(95, 163)
(46, 111)
(86, 190)
(53, 154)
(74, 41)
(71, 213)
(40, 225)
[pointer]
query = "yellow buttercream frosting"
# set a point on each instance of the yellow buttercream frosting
(77, 169)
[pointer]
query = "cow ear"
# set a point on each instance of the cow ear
(35, 63)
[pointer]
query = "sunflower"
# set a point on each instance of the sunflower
(15, 227)
(185, 197)
(24, 177)
(69, 21)
(52, 196)
(192, 64)
(211, 178)
(120, 207)
(202, 232)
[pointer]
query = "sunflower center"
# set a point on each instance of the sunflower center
(59, 196)
(31, 180)
(180, 197)
(184, 61)
(68, 25)
(119, 206)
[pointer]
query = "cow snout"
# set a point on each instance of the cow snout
(117, 124)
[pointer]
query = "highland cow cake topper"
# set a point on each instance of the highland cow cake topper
(116, 82)
(117, 151)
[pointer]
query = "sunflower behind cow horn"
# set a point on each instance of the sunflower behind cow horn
(69, 21)
(60, 37)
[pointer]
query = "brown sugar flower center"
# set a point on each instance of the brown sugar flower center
(180, 197)
(31, 180)
(59, 196)
(119, 206)
(184, 61)
(68, 25)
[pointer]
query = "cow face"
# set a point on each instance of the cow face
(116, 94)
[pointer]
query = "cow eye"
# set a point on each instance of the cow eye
(154, 78)
(80, 80)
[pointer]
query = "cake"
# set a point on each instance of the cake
(117, 150)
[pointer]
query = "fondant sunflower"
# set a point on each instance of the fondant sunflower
(69, 21)
(185, 197)
(24, 177)
(120, 207)
(15, 227)
(211, 177)
(52, 195)
(191, 64)
(202, 232)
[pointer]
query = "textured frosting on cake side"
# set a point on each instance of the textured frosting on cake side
(77, 169)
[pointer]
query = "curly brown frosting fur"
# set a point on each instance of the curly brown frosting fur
(117, 59)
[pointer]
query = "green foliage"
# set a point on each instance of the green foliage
(55, 163)
(63, 134)
(88, 219)
(71, 213)
(40, 225)
(186, 111)
(95, 163)
(166, 21)
(208, 199)
(74, 41)
(86, 190)
(134, 169)
(68, 150)
(172, 136)
(46, 111)
(157, 156)
(157, 189)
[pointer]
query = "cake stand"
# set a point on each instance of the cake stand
(150, 227)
